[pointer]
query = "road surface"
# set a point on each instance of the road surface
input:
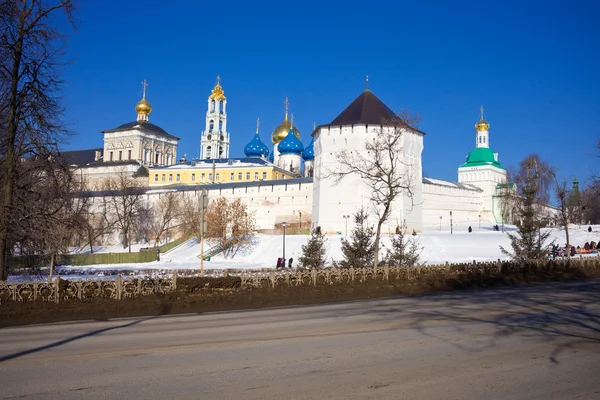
(532, 342)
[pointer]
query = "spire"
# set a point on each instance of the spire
(367, 82)
(292, 121)
(287, 105)
(481, 109)
(144, 85)
(257, 123)
(218, 80)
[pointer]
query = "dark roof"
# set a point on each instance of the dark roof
(81, 157)
(365, 109)
(147, 126)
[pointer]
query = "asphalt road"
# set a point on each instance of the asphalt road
(534, 342)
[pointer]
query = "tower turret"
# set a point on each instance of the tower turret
(215, 138)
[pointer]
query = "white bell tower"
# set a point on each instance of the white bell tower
(215, 138)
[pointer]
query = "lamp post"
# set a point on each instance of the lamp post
(300, 214)
(479, 221)
(451, 222)
(440, 223)
(502, 222)
(283, 224)
(346, 217)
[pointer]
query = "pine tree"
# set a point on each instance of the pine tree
(314, 251)
(528, 243)
(359, 251)
(405, 250)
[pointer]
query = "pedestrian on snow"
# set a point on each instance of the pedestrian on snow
(470, 229)
(589, 228)
(573, 251)
(278, 263)
(290, 261)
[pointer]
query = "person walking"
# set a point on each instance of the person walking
(290, 261)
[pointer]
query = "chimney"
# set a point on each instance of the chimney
(97, 156)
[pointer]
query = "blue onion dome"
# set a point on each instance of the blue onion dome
(290, 144)
(256, 148)
(271, 157)
(309, 151)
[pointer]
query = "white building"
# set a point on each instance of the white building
(214, 143)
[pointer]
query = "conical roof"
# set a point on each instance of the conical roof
(365, 109)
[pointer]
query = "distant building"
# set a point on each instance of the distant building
(206, 172)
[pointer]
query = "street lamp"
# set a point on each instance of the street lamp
(300, 214)
(451, 222)
(283, 224)
(440, 223)
(346, 217)
(502, 222)
(479, 221)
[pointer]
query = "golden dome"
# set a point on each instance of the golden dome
(482, 125)
(217, 92)
(282, 130)
(143, 107)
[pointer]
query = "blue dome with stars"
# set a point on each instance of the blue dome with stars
(309, 151)
(290, 144)
(256, 148)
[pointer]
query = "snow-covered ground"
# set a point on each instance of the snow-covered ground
(439, 246)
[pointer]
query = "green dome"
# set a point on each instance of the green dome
(481, 156)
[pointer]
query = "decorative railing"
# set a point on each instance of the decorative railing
(65, 290)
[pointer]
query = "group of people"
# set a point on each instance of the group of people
(588, 247)
(281, 263)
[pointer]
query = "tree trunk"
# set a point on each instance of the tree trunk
(51, 266)
(377, 239)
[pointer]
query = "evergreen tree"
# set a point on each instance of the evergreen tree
(359, 251)
(405, 250)
(528, 243)
(314, 251)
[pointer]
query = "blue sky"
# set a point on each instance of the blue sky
(532, 64)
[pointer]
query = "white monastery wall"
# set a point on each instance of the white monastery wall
(440, 199)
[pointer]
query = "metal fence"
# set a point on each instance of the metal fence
(61, 290)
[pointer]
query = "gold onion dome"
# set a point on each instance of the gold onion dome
(482, 125)
(217, 92)
(143, 107)
(282, 130)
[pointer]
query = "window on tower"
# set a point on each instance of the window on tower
(212, 106)
(221, 127)
(211, 125)
(221, 107)
(208, 151)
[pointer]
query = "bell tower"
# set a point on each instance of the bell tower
(214, 142)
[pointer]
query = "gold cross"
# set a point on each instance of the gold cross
(481, 108)
(144, 84)
(219, 80)
(257, 123)
(367, 81)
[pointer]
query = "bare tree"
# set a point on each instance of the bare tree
(164, 215)
(31, 52)
(190, 216)
(230, 225)
(562, 195)
(96, 224)
(124, 204)
(382, 168)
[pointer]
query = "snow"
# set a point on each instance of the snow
(439, 247)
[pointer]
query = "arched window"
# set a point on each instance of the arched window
(212, 106)
(211, 125)
(208, 151)
(221, 107)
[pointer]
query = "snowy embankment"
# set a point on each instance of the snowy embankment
(439, 247)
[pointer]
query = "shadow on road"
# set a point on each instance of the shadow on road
(165, 310)
(539, 312)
